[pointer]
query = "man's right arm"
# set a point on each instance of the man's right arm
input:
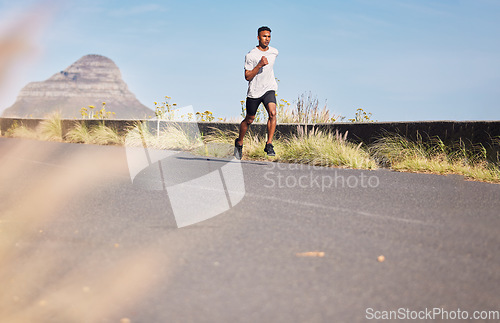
(250, 74)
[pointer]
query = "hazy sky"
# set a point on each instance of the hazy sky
(398, 59)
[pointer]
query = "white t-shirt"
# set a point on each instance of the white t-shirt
(264, 80)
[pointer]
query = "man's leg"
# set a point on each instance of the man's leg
(271, 121)
(252, 105)
(244, 127)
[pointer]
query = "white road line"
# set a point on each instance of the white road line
(334, 208)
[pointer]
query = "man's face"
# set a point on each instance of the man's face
(264, 38)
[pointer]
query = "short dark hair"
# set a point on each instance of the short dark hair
(263, 28)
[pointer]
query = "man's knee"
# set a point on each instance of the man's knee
(272, 113)
(249, 119)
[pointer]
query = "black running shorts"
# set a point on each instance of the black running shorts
(253, 104)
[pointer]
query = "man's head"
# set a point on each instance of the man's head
(264, 36)
(263, 28)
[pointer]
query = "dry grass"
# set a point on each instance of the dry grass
(439, 165)
(435, 157)
(21, 131)
(51, 128)
(315, 147)
(104, 135)
(80, 133)
(306, 110)
(321, 148)
(171, 136)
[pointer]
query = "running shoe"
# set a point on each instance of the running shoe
(270, 150)
(238, 150)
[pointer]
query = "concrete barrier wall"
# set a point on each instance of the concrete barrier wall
(478, 132)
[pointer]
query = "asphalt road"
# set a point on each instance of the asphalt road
(86, 238)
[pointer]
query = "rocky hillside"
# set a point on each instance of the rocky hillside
(91, 80)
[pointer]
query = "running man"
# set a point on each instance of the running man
(262, 87)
